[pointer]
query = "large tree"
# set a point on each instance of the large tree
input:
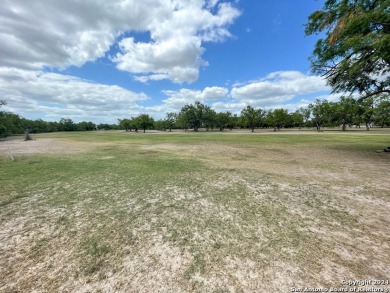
(343, 112)
(125, 124)
(171, 119)
(320, 111)
(223, 120)
(354, 53)
(277, 118)
(252, 117)
(194, 116)
(144, 121)
(382, 112)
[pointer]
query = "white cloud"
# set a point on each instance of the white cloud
(276, 90)
(178, 99)
(176, 48)
(56, 33)
(54, 96)
(278, 87)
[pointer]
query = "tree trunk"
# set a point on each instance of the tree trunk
(144, 130)
(343, 127)
(367, 126)
(253, 129)
(196, 129)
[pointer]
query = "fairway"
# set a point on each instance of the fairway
(114, 211)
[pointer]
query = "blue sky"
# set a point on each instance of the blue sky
(99, 60)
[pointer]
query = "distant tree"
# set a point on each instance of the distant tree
(161, 125)
(106, 126)
(66, 124)
(277, 118)
(52, 126)
(192, 116)
(223, 120)
(252, 117)
(208, 118)
(368, 111)
(344, 111)
(85, 126)
(13, 123)
(297, 119)
(364, 112)
(144, 121)
(320, 112)
(382, 112)
(182, 121)
(125, 124)
(234, 121)
(305, 112)
(354, 53)
(171, 120)
(3, 131)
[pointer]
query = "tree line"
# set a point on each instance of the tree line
(321, 113)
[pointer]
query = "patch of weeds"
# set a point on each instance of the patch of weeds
(96, 252)
(94, 247)
(34, 162)
(198, 265)
(14, 196)
(38, 247)
(62, 220)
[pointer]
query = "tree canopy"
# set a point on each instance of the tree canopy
(354, 53)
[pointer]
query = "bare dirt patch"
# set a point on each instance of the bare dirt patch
(17, 146)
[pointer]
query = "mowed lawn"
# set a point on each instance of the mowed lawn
(193, 212)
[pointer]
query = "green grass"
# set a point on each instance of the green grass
(209, 211)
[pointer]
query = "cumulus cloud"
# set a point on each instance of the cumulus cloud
(177, 99)
(56, 33)
(278, 87)
(54, 96)
(176, 48)
(282, 89)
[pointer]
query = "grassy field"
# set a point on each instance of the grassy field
(196, 212)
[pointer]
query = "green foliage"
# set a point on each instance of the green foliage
(3, 131)
(278, 118)
(195, 116)
(223, 120)
(252, 117)
(85, 126)
(126, 124)
(382, 112)
(106, 126)
(365, 112)
(343, 112)
(171, 120)
(298, 119)
(144, 121)
(320, 113)
(354, 55)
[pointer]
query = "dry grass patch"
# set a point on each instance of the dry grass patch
(157, 216)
